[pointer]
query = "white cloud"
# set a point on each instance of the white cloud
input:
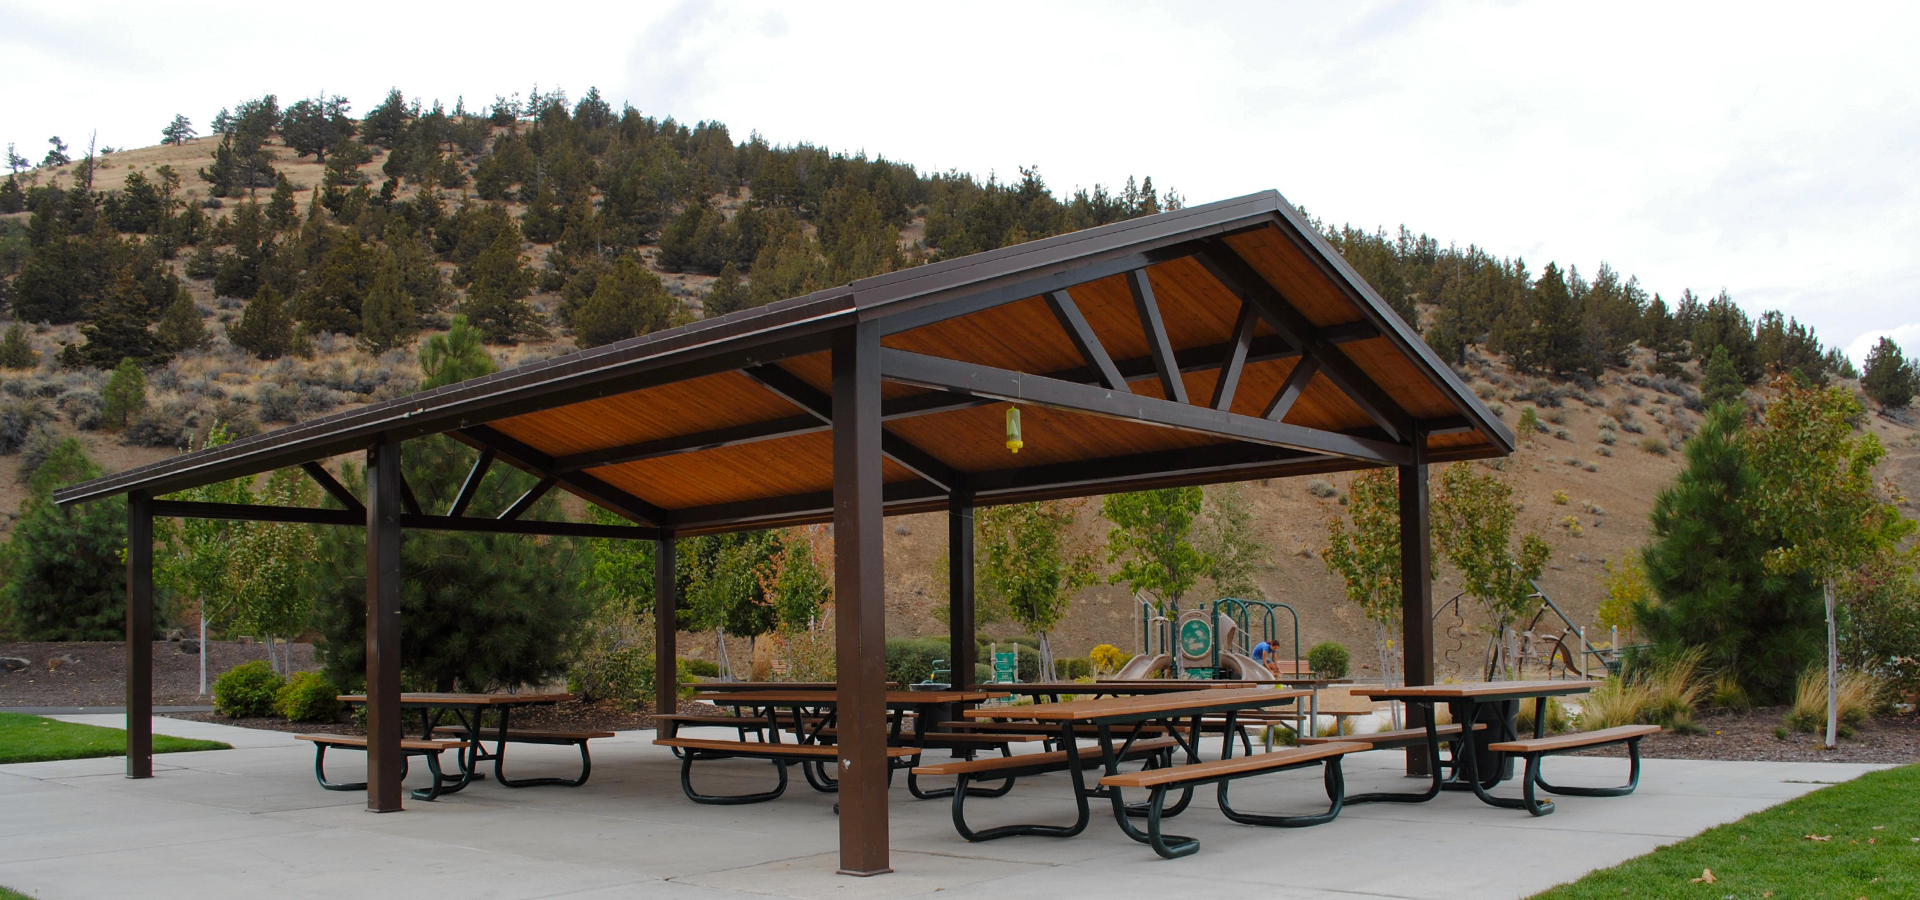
(1907, 336)
(1745, 146)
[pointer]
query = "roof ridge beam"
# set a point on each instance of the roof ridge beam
(1161, 349)
(1019, 387)
(1237, 275)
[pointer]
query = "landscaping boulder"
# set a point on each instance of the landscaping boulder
(190, 647)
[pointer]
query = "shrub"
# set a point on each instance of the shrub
(1674, 689)
(1560, 498)
(1329, 660)
(1653, 445)
(1617, 702)
(1072, 667)
(1107, 659)
(1322, 489)
(1608, 436)
(1728, 694)
(910, 660)
(17, 419)
(615, 660)
(308, 697)
(246, 691)
(704, 668)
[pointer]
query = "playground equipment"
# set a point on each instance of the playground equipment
(1214, 641)
(1530, 651)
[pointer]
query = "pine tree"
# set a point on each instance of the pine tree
(626, 302)
(387, 317)
(1721, 383)
(265, 328)
(124, 395)
(1708, 566)
(455, 356)
(282, 212)
(180, 326)
(66, 572)
(16, 352)
(388, 122)
(315, 127)
(1890, 378)
(119, 331)
(177, 132)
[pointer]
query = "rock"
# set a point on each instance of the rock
(13, 663)
(176, 635)
(190, 648)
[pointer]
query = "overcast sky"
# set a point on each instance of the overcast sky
(1767, 150)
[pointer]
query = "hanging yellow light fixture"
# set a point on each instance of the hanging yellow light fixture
(1013, 429)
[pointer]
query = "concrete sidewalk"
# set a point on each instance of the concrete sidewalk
(251, 822)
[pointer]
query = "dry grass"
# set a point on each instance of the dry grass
(1617, 702)
(1856, 693)
(1559, 719)
(1667, 695)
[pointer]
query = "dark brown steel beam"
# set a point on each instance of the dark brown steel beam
(666, 589)
(533, 527)
(333, 487)
(1446, 425)
(528, 499)
(383, 627)
(1416, 582)
(1084, 340)
(250, 512)
(1242, 344)
(1291, 389)
(1238, 276)
(961, 649)
(796, 391)
(1019, 387)
(714, 439)
(1035, 284)
(860, 626)
(409, 503)
(1160, 348)
(518, 454)
(140, 635)
(471, 486)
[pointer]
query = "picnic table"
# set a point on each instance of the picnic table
(1485, 712)
(469, 712)
(714, 687)
(1120, 725)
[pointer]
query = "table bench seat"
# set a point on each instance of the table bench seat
(1222, 771)
(1022, 764)
(1394, 740)
(430, 749)
(1536, 749)
(531, 736)
(781, 755)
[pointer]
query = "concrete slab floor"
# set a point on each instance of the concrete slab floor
(251, 821)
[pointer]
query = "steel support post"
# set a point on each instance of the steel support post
(1416, 589)
(859, 582)
(666, 586)
(140, 635)
(384, 760)
(960, 620)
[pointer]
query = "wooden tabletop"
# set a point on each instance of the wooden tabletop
(1181, 703)
(1168, 686)
(1481, 690)
(733, 686)
(433, 699)
(897, 698)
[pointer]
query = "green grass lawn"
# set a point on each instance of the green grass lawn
(12, 895)
(1858, 839)
(34, 739)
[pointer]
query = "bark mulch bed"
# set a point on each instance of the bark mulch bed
(1728, 735)
(94, 673)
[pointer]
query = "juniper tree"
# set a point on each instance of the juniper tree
(1890, 379)
(180, 327)
(627, 301)
(16, 352)
(124, 395)
(726, 294)
(387, 123)
(499, 280)
(315, 127)
(265, 328)
(1720, 382)
(56, 153)
(282, 212)
(387, 316)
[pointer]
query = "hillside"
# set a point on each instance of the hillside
(714, 223)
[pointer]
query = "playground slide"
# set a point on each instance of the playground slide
(1141, 666)
(1241, 666)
